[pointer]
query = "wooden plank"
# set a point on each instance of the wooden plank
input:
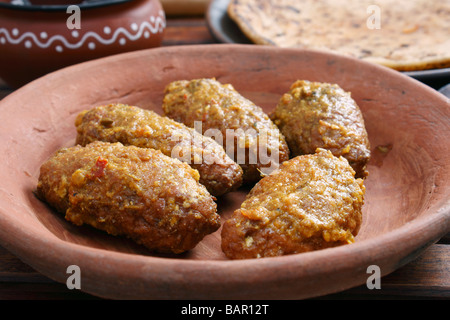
(184, 7)
(187, 31)
(41, 291)
(427, 277)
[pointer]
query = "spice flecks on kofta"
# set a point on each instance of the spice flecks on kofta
(140, 193)
(322, 115)
(249, 136)
(131, 125)
(311, 202)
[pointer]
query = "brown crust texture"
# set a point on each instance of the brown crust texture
(131, 125)
(249, 136)
(311, 202)
(404, 35)
(322, 115)
(139, 193)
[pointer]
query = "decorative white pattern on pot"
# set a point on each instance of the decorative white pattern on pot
(121, 35)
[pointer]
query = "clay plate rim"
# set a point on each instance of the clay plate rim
(134, 276)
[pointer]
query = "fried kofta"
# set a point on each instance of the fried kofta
(140, 193)
(311, 202)
(322, 115)
(247, 133)
(132, 125)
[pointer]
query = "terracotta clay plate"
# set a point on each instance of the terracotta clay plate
(407, 204)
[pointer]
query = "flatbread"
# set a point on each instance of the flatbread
(402, 34)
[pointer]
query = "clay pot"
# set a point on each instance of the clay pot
(38, 39)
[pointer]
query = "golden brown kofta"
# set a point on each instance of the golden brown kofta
(322, 115)
(129, 191)
(132, 125)
(311, 202)
(247, 133)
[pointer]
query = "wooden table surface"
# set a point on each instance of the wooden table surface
(427, 277)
